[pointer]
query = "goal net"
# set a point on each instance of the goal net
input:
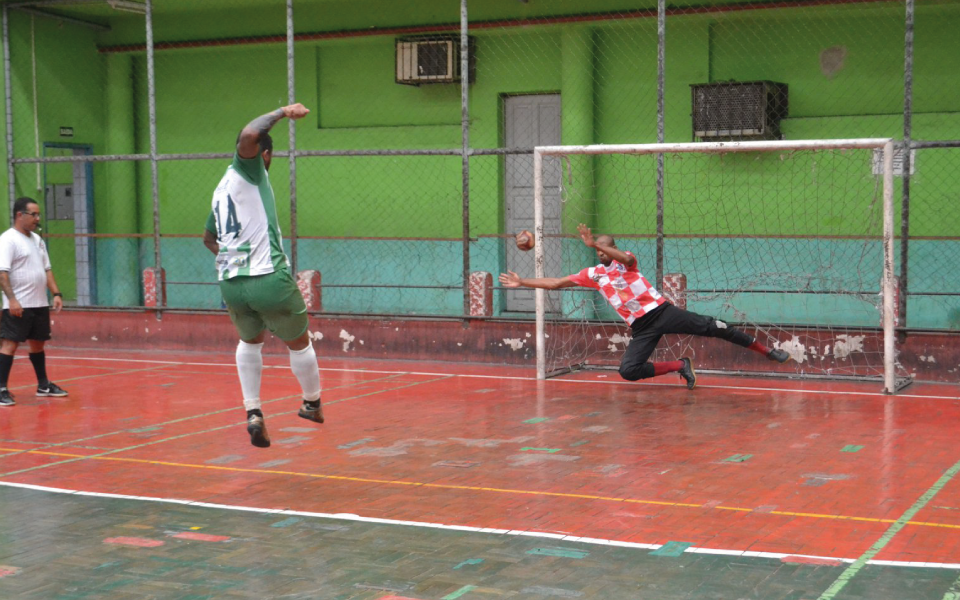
(790, 241)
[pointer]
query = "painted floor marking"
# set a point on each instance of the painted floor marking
(851, 571)
(192, 433)
(468, 528)
(75, 442)
(79, 377)
(553, 379)
(419, 484)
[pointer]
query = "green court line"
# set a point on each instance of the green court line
(548, 450)
(851, 571)
(850, 448)
(738, 458)
(537, 420)
(954, 592)
(459, 592)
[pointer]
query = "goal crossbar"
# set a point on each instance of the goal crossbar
(888, 280)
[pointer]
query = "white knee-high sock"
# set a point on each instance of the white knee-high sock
(304, 365)
(249, 368)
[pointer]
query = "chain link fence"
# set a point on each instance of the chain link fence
(123, 115)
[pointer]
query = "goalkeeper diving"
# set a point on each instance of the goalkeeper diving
(649, 315)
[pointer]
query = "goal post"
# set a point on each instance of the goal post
(766, 214)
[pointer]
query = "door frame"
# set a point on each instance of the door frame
(85, 150)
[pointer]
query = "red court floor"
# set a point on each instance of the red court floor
(818, 468)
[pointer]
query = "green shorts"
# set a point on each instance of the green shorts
(263, 302)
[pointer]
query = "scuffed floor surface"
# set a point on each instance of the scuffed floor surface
(439, 481)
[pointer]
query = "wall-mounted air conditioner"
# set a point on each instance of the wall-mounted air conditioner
(749, 110)
(432, 59)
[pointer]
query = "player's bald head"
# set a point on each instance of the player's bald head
(606, 240)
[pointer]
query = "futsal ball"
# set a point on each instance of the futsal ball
(525, 240)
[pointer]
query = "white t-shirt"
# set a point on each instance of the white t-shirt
(25, 259)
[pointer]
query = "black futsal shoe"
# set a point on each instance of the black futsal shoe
(6, 398)
(778, 355)
(311, 411)
(51, 389)
(687, 372)
(257, 428)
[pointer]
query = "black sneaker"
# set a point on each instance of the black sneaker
(257, 428)
(311, 411)
(687, 372)
(6, 398)
(778, 355)
(51, 389)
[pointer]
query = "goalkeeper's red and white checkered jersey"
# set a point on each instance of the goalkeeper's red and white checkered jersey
(625, 288)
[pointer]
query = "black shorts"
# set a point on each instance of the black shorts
(33, 325)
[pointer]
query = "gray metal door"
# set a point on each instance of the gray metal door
(68, 206)
(531, 121)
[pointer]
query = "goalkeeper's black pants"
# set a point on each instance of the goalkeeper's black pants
(664, 319)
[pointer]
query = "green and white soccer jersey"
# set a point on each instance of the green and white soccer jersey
(244, 218)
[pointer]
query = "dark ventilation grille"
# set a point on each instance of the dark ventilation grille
(739, 111)
(431, 59)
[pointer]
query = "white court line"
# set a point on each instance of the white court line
(470, 529)
(556, 380)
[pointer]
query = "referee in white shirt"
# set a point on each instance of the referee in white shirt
(25, 276)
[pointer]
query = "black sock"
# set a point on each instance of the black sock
(39, 360)
(6, 363)
(255, 411)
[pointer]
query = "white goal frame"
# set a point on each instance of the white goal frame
(885, 144)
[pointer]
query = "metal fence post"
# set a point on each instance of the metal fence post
(907, 150)
(465, 149)
(291, 98)
(154, 178)
(11, 173)
(661, 72)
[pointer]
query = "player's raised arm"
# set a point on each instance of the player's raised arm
(248, 145)
(604, 243)
(512, 280)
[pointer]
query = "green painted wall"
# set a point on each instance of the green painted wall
(605, 72)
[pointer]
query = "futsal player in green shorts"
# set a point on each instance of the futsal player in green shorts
(255, 280)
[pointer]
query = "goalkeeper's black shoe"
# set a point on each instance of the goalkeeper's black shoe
(778, 355)
(257, 428)
(687, 372)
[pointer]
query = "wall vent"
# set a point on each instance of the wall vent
(431, 59)
(738, 110)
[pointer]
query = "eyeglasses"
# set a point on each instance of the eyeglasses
(32, 214)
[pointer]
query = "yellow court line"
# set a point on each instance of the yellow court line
(475, 488)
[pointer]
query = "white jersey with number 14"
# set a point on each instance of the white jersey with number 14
(244, 213)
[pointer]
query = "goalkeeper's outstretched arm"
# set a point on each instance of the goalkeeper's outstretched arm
(604, 245)
(512, 280)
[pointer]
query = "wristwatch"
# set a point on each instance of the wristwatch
(59, 294)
